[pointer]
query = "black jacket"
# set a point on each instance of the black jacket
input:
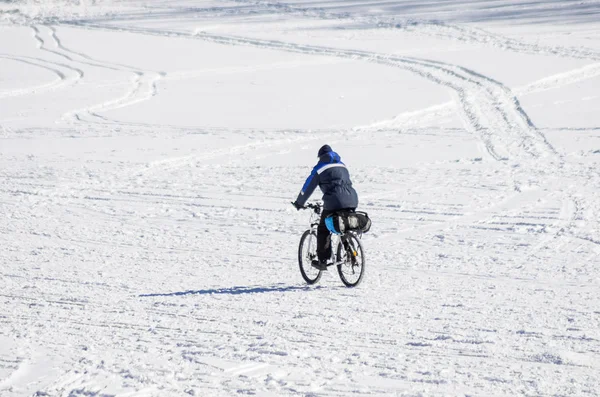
(332, 176)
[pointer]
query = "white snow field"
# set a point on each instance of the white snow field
(149, 152)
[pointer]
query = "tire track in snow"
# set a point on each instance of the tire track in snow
(561, 79)
(487, 106)
(144, 87)
(433, 28)
(462, 33)
(447, 109)
(481, 36)
(564, 220)
(67, 75)
(177, 162)
(42, 46)
(579, 204)
(59, 81)
(144, 83)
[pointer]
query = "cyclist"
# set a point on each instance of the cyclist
(332, 176)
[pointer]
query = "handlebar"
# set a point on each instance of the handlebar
(314, 207)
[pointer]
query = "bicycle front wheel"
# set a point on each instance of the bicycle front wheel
(351, 259)
(307, 251)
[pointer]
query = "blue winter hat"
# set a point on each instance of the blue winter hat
(324, 150)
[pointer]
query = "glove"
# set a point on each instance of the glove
(296, 205)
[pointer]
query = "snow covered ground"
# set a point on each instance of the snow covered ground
(149, 151)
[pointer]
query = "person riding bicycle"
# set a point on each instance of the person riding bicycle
(332, 176)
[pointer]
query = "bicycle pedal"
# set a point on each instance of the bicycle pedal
(319, 265)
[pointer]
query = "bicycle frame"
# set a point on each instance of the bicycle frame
(347, 252)
(315, 219)
(345, 241)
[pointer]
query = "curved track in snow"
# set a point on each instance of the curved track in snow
(440, 29)
(67, 74)
(143, 82)
(487, 106)
(60, 80)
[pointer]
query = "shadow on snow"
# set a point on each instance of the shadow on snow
(234, 291)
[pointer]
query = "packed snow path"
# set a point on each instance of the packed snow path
(149, 152)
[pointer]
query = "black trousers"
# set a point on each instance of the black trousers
(324, 236)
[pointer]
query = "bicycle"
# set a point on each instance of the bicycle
(349, 258)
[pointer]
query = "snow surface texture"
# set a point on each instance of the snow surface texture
(149, 152)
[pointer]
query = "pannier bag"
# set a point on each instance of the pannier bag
(343, 221)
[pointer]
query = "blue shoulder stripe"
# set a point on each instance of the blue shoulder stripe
(333, 158)
(309, 179)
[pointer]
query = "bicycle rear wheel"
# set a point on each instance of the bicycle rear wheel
(307, 251)
(351, 259)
